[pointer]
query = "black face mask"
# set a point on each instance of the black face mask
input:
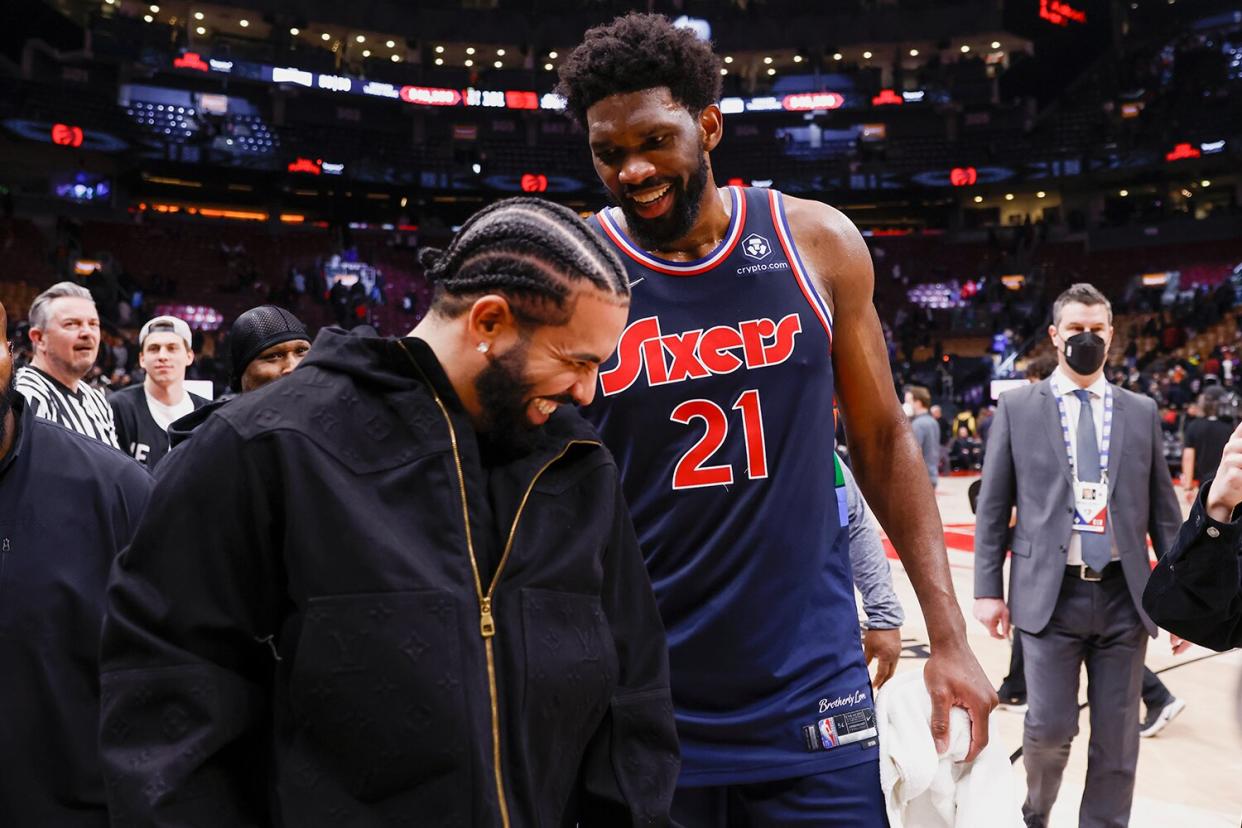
(1085, 353)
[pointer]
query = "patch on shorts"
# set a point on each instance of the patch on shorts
(840, 729)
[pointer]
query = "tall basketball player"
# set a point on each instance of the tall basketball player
(751, 312)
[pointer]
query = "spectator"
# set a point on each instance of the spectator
(946, 428)
(926, 431)
(265, 344)
(964, 452)
(1205, 440)
(68, 505)
(144, 412)
(64, 332)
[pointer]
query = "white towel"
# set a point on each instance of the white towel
(925, 790)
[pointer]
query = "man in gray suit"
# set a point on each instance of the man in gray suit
(1083, 462)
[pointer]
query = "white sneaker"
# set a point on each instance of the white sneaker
(1158, 718)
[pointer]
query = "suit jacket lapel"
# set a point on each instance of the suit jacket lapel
(1052, 426)
(1117, 443)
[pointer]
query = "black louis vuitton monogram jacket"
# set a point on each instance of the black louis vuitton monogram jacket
(333, 615)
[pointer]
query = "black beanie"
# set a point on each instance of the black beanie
(255, 331)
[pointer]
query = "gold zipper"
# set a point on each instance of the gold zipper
(487, 622)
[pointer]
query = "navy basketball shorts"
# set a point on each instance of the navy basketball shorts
(843, 798)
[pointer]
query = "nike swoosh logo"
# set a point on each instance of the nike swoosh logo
(636, 281)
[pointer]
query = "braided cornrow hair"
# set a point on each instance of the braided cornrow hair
(531, 251)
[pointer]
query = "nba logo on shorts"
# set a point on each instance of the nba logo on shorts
(756, 247)
(828, 733)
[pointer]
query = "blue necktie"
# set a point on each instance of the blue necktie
(1097, 547)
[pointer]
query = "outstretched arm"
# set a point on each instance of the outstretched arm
(891, 473)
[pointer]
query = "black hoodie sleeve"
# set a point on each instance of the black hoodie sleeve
(1195, 591)
(631, 764)
(185, 668)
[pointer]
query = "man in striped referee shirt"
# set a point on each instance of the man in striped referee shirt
(64, 329)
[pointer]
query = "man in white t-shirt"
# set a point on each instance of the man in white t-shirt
(143, 412)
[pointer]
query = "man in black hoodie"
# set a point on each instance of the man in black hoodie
(400, 586)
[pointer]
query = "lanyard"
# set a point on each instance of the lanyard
(1104, 443)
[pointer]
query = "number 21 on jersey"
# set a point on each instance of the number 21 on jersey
(692, 471)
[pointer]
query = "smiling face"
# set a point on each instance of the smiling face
(532, 371)
(164, 357)
(66, 346)
(651, 155)
(273, 363)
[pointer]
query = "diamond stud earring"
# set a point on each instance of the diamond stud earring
(482, 347)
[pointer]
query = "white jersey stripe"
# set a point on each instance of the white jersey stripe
(86, 412)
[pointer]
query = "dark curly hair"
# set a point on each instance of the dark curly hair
(532, 251)
(636, 52)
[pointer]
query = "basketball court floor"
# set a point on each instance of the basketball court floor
(1189, 776)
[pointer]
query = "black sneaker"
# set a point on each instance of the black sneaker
(1158, 717)
(1010, 700)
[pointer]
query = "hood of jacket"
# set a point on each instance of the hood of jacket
(179, 430)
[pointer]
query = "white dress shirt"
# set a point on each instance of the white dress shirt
(1064, 387)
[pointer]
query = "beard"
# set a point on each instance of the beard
(654, 234)
(507, 432)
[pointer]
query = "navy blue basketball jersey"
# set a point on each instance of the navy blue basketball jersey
(718, 407)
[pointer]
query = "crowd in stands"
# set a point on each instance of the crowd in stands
(1184, 355)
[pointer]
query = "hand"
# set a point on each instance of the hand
(885, 647)
(1226, 490)
(1180, 645)
(994, 615)
(955, 679)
